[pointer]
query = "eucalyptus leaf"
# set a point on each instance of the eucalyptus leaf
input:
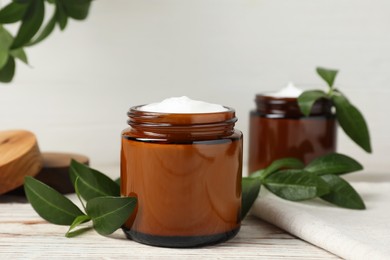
(307, 99)
(78, 221)
(6, 41)
(110, 213)
(250, 191)
(49, 203)
(256, 174)
(333, 163)
(12, 12)
(92, 183)
(118, 181)
(296, 185)
(352, 121)
(43, 34)
(285, 163)
(22, 1)
(61, 16)
(78, 232)
(8, 71)
(31, 22)
(19, 54)
(77, 9)
(342, 193)
(328, 75)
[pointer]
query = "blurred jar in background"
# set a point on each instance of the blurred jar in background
(278, 129)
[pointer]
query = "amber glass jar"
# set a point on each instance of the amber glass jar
(185, 170)
(278, 129)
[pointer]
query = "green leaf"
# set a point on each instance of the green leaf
(352, 121)
(6, 41)
(328, 75)
(61, 16)
(49, 203)
(92, 183)
(285, 163)
(8, 71)
(296, 185)
(250, 191)
(333, 163)
(109, 213)
(342, 193)
(118, 181)
(256, 174)
(12, 13)
(77, 9)
(78, 232)
(22, 1)
(47, 30)
(307, 99)
(32, 21)
(78, 221)
(19, 54)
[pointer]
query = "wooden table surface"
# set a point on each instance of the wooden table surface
(24, 235)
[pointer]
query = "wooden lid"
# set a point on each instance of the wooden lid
(19, 157)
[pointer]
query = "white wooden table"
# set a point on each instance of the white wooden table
(24, 235)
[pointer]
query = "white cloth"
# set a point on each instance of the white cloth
(350, 234)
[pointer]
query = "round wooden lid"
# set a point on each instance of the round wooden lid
(19, 157)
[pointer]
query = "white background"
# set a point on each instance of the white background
(81, 82)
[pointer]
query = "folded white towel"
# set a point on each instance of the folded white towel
(350, 234)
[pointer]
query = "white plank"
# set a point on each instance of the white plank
(24, 235)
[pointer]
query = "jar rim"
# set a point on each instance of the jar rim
(135, 114)
(288, 106)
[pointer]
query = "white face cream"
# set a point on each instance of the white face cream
(290, 91)
(182, 105)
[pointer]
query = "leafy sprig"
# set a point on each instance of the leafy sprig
(349, 117)
(104, 207)
(31, 14)
(289, 179)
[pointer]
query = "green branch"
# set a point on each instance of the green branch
(32, 30)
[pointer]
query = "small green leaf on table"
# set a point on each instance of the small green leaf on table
(92, 183)
(78, 221)
(333, 163)
(250, 192)
(118, 181)
(342, 193)
(110, 213)
(49, 203)
(289, 163)
(296, 185)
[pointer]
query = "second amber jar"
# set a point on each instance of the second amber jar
(185, 170)
(278, 129)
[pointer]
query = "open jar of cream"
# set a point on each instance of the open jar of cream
(183, 161)
(278, 129)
